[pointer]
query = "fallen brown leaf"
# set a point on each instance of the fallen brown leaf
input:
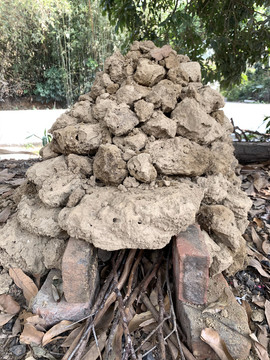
(212, 338)
(259, 348)
(258, 222)
(57, 329)
(94, 352)
(4, 215)
(72, 336)
(266, 247)
(256, 239)
(9, 305)
(248, 309)
(138, 319)
(4, 318)
(255, 263)
(35, 320)
(5, 175)
(263, 336)
(31, 335)
(24, 282)
(17, 182)
(17, 328)
(259, 300)
(267, 311)
(73, 345)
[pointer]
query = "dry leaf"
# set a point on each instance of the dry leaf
(57, 329)
(218, 305)
(266, 247)
(24, 315)
(259, 300)
(94, 351)
(267, 311)
(255, 263)
(4, 215)
(4, 318)
(5, 175)
(39, 352)
(147, 322)
(260, 181)
(134, 324)
(31, 335)
(73, 345)
(24, 282)
(9, 305)
(72, 336)
(4, 189)
(248, 309)
(261, 351)
(17, 328)
(263, 335)
(258, 222)
(212, 338)
(259, 348)
(256, 239)
(35, 320)
(17, 182)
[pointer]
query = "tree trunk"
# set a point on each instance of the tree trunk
(251, 152)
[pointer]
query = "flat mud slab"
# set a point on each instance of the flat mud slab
(251, 152)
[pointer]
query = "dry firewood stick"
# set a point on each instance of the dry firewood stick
(120, 284)
(133, 270)
(125, 324)
(154, 312)
(143, 285)
(161, 343)
(107, 283)
(151, 333)
(172, 309)
(113, 329)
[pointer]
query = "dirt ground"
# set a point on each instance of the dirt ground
(28, 103)
(251, 286)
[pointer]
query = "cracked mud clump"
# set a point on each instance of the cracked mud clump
(146, 153)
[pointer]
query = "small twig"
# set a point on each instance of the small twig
(113, 329)
(172, 309)
(144, 284)
(124, 321)
(132, 273)
(152, 333)
(161, 342)
(96, 341)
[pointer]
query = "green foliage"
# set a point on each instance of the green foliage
(255, 85)
(52, 48)
(267, 121)
(53, 86)
(236, 32)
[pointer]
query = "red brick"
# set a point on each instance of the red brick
(191, 266)
(231, 323)
(53, 312)
(79, 271)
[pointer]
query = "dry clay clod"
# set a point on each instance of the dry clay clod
(136, 160)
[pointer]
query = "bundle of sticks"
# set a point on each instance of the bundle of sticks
(133, 316)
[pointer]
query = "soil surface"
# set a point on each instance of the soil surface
(28, 103)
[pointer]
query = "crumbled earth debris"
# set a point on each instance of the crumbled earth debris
(153, 137)
(248, 285)
(143, 156)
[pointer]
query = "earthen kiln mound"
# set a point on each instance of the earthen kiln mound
(137, 160)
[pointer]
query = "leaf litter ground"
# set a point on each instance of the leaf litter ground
(145, 314)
